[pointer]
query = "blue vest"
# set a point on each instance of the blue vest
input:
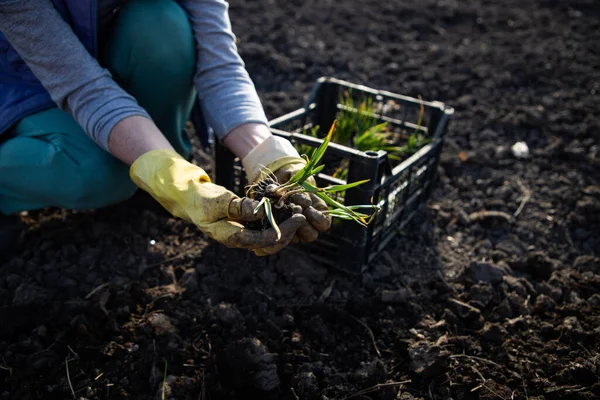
(21, 93)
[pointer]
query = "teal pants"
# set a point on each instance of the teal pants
(46, 159)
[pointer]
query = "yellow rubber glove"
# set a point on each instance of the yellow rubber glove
(185, 190)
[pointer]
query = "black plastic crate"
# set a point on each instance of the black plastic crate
(400, 190)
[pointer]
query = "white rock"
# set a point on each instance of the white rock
(161, 323)
(520, 150)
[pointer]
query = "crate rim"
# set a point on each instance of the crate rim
(310, 102)
(445, 108)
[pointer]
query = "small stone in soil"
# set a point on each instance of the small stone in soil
(12, 281)
(554, 292)
(544, 303)
(477, 323)
(539, 265)
(228, 314)
(306, 386)
(571, 324)
(376, 372)
(486, 272)
(587, 263)
(40, 331)
(161, 324)
(189, 280)
(519, 303)
(493, 332)
(28, 294)
(427, 359)
(450, 317)
(465, 311)
(594, 299)
(394, 296)
(483, 293)
(518, 285)
(251, 365)
(503, 310)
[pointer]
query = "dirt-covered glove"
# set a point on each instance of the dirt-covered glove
(278, 156)
(185, 190)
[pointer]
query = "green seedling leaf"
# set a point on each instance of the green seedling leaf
(373, 137)
(271, 218)
(260, 204)
(310, 188)
(421, 114)
(318, 169)
(412, 140)
(358, 220)
(394, 149)
(338, 213)
(353, 208)
(341, 188)
(308, 170)
(296, 177)
(346, 216)
(266, 203)
(321, 149)
(330, 202)
(341, 213)
(374, 214)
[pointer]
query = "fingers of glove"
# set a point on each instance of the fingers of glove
(242, 209)
(296, 209)
(285, 173)
(307, 233)
(301, 199)
(251, 239)
(318, 203)
(321, 222)
(268, 251)
(288, 229)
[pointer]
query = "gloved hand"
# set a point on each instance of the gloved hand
(185, 190)
(278, 156)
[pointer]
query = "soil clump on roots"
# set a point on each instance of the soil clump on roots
(281, 210)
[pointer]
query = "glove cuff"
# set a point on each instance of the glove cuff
(267, 154)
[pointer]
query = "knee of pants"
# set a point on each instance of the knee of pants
(158, 33)
(98, 181)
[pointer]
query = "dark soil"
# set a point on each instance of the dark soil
(493, 293)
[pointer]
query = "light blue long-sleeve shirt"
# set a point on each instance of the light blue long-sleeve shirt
(79, 85)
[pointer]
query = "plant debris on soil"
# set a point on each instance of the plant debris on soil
(492, 293)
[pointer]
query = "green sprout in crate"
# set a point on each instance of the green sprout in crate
(304, 148)
(275, 197)
(360, 128)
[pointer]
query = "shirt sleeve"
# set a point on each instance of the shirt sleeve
(227, 94)
(72, 77)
